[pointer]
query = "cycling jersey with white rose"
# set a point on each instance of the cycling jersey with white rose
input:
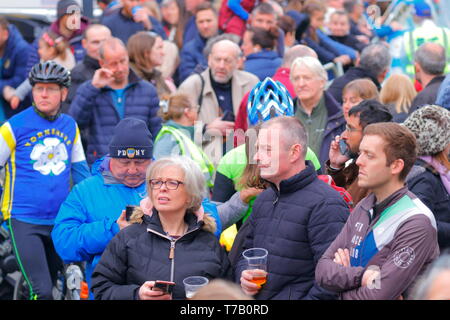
(38, 155)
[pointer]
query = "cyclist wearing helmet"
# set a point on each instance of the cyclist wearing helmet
(41, 150)
(268, 99)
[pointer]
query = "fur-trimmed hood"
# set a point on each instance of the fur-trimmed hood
(204, 220)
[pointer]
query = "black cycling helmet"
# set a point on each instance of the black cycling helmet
(49, 72)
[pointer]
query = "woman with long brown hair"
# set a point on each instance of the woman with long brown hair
(146, 52)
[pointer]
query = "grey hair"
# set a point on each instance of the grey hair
(225, 36)
(423, 285)
(194, 180)
(312, 64)
(431, 57)
(112, 43)
(295, 52)
(292, 132)
(376, 58)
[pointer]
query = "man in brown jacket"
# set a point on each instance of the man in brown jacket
(390, 237)
(342, 167)
(218, 91)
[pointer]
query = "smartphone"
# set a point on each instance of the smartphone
(164, 286)
(129, 211)
(343, 147)
(228, 116)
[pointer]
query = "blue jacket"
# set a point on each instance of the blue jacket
(192, 55)
(328, 49)
(86, 221)
(443, 97)
(335, 126)
(13, 70)
(263, 63)
(296, 224)
(123, 27)
(190, 30)
(94, 109)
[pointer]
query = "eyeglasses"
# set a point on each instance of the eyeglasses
(156, 184)
(47, 89)
(350, 129)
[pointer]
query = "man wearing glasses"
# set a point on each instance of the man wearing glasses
(344, 150)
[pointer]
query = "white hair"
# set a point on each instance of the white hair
(312, 64)
(194, 180)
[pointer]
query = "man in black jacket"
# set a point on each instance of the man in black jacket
(374, 64)
(429, 65)
(94, 36)
(295, 219)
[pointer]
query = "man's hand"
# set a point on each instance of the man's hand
(14, 102)
(369, 277)
(247, 194)
(342, 257)
(337, 159)
(141, 16)
(344, 59)
(122, 221)
(146, 292)
(220, 125)
(247, 286)
(102, 78)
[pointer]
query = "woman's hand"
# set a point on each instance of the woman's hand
(146, 292)
(122, 221)
(247, 194)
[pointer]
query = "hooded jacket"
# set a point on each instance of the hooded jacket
(263, 63)
(143, 252)
(296, 224)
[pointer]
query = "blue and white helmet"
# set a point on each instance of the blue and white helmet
(267, 100)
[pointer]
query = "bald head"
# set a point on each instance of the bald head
(112, 44)
(223, 60)
(431, 58)
(94, 36)
(295, 52)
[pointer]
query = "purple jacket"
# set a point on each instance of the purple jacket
(400, 242)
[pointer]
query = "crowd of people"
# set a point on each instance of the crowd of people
(224, 127)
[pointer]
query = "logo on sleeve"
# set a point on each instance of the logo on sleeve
(404, 257)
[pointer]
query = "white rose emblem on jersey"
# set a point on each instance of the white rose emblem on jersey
(404, 257)
(49, 157)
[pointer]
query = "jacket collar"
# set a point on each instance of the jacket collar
(370, 201)
(91, 62)
(153, 222)
(298, 181)
(333, 108)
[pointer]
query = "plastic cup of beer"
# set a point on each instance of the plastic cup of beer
(257, 260)
(193, 284)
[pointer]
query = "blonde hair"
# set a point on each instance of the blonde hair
(194, 180)
(172, 107)
(219, 289)
(398, 89)
(364, 88)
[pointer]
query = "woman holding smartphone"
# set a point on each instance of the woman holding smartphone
(169, 242)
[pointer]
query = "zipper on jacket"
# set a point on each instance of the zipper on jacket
(172, 248)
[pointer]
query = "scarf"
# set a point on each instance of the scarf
(443, 172)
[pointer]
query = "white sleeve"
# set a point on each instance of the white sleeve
(7, 143)
(77, 150)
